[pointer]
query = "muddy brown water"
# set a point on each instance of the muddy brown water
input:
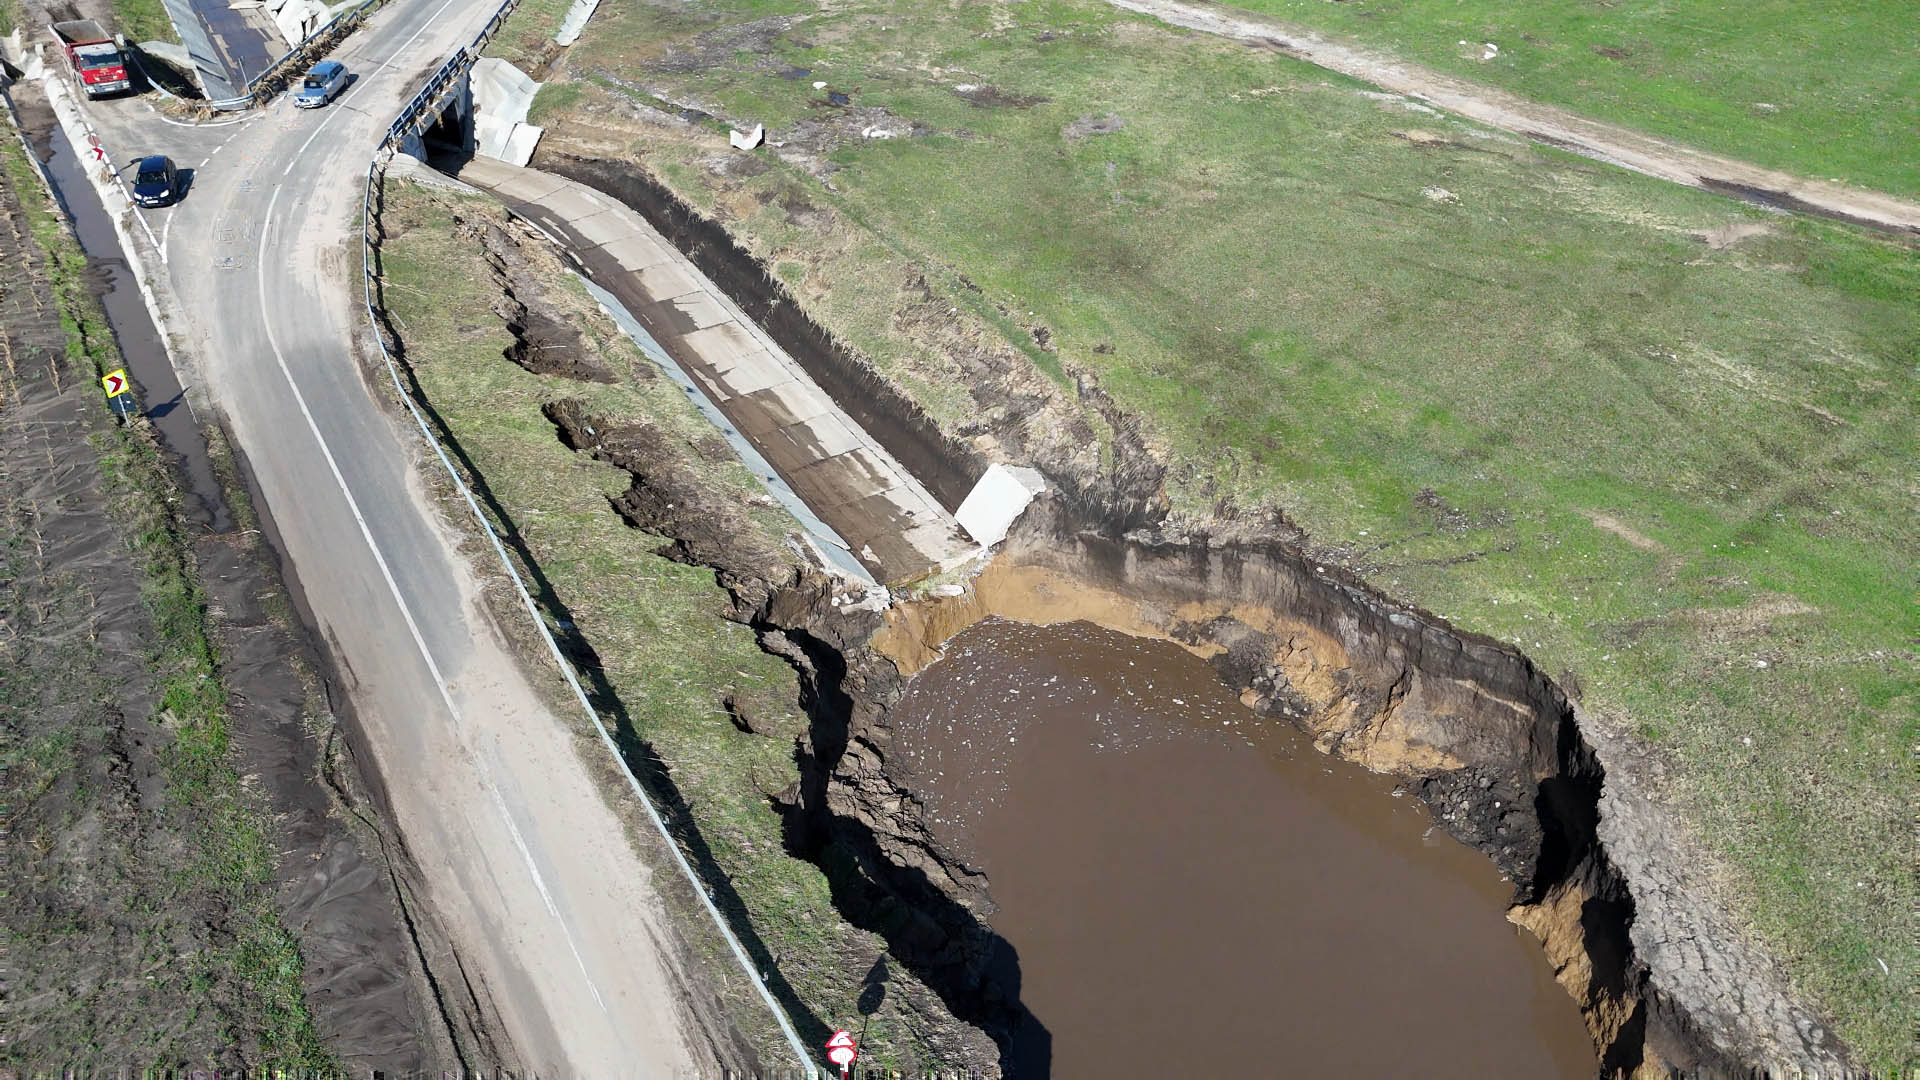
(1194, 890)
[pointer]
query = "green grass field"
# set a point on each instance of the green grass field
(656, 624)
(1829, 91)
(144, 20)
(1663, 442)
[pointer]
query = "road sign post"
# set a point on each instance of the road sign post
(841, 1050)
(117, 386)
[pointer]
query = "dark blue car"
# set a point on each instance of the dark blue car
(156, 182)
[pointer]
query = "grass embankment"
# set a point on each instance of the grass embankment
(525, 41)
(1829, 92)
(1662, 442)
(657, 625)
(144, 20)
(209, 856)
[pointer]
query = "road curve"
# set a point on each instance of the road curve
(554, 916)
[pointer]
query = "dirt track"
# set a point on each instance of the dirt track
(1544, 123)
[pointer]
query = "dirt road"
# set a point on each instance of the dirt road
(1544, 123)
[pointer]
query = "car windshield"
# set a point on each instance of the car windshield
(315, 82)
(151, 175)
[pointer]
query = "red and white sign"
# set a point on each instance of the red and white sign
(115, 382)
(841, 1050)
(92, 139)
(99, 153)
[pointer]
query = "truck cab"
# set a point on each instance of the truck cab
(99, 67)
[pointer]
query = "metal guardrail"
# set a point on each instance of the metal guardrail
(414, 116)
(338, 26)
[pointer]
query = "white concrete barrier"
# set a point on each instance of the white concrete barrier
(997, 501)
(502, 94)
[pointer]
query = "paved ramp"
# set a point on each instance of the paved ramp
(227, 48)
(889, 521)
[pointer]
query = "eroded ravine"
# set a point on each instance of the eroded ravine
(1182, 877)
(1469, 725)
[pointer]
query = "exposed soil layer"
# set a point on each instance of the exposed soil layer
(1469, 723)
(1476, 732)
(542, 343)
(1163, 857)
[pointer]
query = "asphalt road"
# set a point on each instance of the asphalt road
(553, 914)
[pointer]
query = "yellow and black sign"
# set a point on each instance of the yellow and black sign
(116, 383)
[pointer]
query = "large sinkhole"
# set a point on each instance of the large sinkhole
(1190, 886)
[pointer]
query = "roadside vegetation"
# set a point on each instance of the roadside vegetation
(1661, 441)
(144, 20)
(1828, 92)
(683, 681)
(141, 917)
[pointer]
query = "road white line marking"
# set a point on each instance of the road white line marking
(142, 218)
(337, 102)
(303, 146)
(388, 62)
(166, 231)
(393, 588)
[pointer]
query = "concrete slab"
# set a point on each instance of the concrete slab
(637, 251)
(996, 501)
(575, 21)
(522, 142)
(602, 228)
(721, 343)
(701, 310)
(515, 185)
(753, 372)
(764, 413)
(823, 436)
(573, 202)
(830, 484)
(666, 281)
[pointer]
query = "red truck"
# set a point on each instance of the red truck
(95, 56)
